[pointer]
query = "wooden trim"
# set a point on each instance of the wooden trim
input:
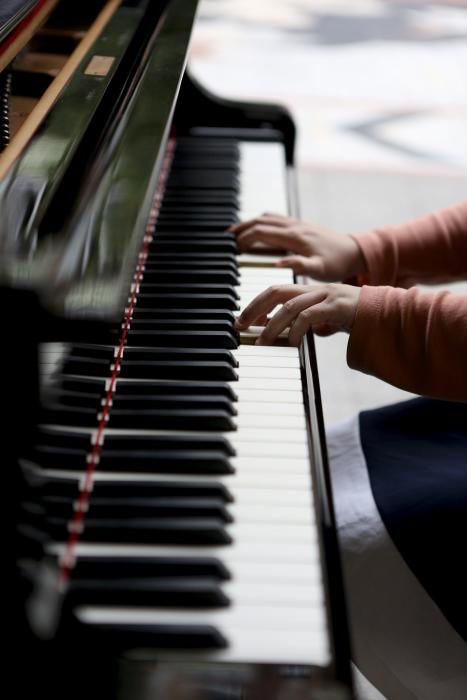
(26, 34)
(40, 111)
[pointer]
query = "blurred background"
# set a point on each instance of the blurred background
(378, 90)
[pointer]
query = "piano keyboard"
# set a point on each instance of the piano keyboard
(198, 529)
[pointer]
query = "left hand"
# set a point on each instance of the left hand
(324, 308)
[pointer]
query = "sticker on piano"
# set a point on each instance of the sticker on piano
(100, 66)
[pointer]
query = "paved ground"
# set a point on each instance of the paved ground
(377, 83)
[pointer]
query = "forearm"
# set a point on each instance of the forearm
(413, 340)
(430, 249)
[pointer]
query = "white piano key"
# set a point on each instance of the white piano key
(272, 464)
(274, 408)
(275, 361)
(265, 260)
(244, 480)
(255, 633)
(266, 594)
(265, 350)
(267, 383)
(260, 372)
(280, 398)
(240, 553)
(271, 513)
(270, 420)
(260, 163)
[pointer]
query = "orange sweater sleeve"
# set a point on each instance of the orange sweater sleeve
(412, 339)
(428, 250)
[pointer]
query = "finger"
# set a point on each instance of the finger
(303, 265)
(283, 239)
(319, 316)
(260, 321)
(286, 316)
(265, 302)
(268, 219)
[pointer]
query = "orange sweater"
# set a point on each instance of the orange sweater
(412, 339)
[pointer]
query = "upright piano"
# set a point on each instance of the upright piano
(168, 508)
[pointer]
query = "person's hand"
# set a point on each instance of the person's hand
(324, 308)
(322, 254)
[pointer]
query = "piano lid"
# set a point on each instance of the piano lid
(84, 268)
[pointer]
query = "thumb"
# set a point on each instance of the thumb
(302, 265)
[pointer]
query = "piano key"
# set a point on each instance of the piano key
(173, 419)
(196, 531)
(188, 300)
(139, 400)
(258, 162)
(141, 312)
(185, 592)
(173, 245)
(224, 275)
(124, 506)
(191, 339)
(140, 567)
(161, 289)
(156, 387)
(177, 369)
(252, 633)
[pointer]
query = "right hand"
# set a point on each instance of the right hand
(321, 254)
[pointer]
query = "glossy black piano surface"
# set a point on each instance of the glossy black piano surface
(129, 443)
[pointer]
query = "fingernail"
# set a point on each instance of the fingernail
(239, 324)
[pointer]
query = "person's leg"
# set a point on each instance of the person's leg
(401, 640)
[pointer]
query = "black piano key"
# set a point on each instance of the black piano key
(63, 458)
(183, 531)
(176, 636)
(182, 461)
(133, 566)
(190, 339)
(195, 592)
(173, 245)
(87, 366)
(183, 325)
(92, 351)
(171, 419)
(205, 226)
(74, 398)
(59, 413)
(155, 387)
(198, 210)
(168, 272)
(58, 487)
(149, 354)
(192, 259)
(140, 506)
(169, 442)
(137, 401)
(64, 438)
(201, 197)
(203, 179)
(170, 314)
(163, 489)
(205, 235)
(193, 300)
(163, 289)
(78, 384)
(178, 369)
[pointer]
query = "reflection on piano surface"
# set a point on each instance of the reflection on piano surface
(173, 522)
